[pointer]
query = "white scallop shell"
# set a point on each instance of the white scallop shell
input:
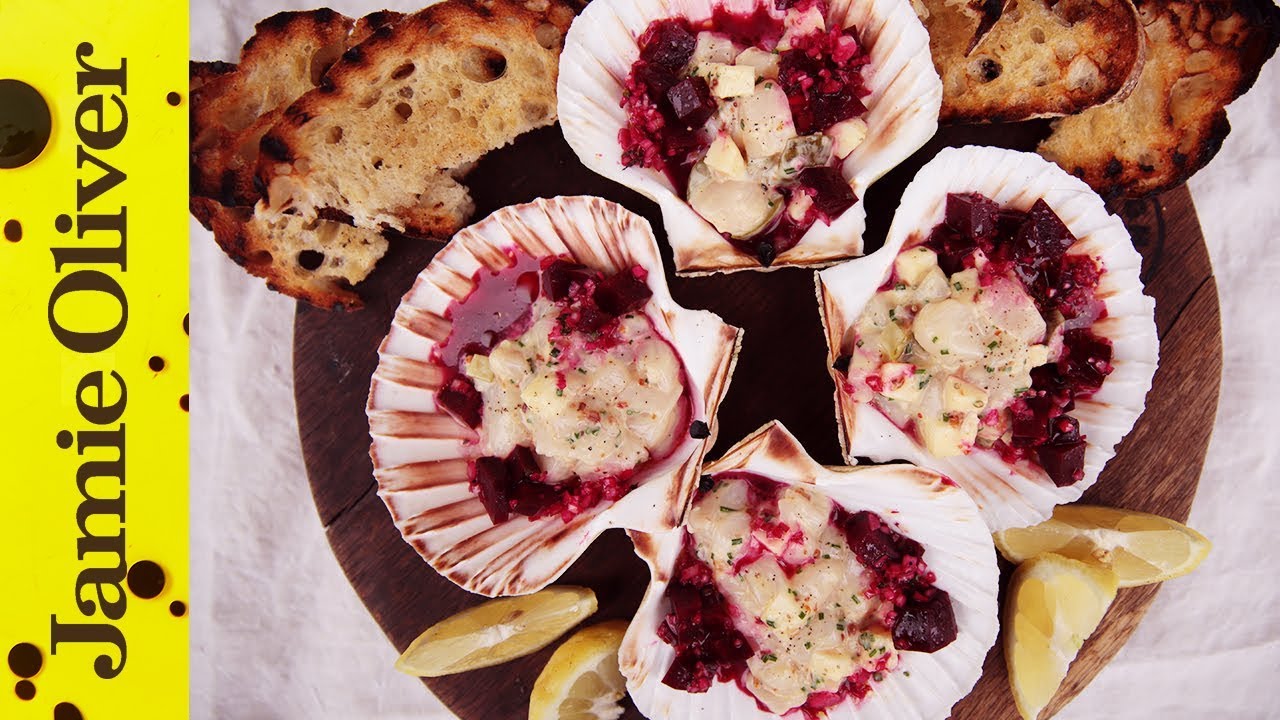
(906, 95)
(1022, 494)
(920, 504)
(420, 452)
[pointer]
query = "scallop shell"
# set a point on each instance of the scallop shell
(420, 452)
(919, 503)
(906, 95)
(1022, 494)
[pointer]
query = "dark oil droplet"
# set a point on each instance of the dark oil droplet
(13, 231)
(156, 363)
(66, 711)
(25, 689)
(25, 123)
(25, 660)
(173, 99)
(177, 608)
(185, 403)
(145, 579)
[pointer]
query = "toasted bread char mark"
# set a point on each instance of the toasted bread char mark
(1202, 54)
(315, 261)
(1039, 59)
(380, 138)
(287, 56)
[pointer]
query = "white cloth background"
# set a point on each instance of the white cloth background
(277, 632)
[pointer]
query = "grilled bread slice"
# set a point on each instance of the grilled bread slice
(1201, 55)
(312, 260)
(1040, 58)
(380, 140)
(287, 55)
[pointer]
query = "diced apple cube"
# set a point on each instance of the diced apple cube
(941, 438)
(764, 120)
(964, 283)
(901, 383)
(800, 23)
(540, 396)
(831, 664)
(934, 286)
(506, 361)
(893, 341)
(725, 158)
(1037, 355)
(763, 62)
(477, 368)
(729, 81)
(959, 395)
(912, 265)
(847, 135)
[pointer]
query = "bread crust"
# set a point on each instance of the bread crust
(1039, 59)
(1202, 55)
(381, 136)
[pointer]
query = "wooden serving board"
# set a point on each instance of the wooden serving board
(780, 375)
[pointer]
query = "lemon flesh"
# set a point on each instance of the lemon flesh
(1141, 548)
(496, 631)
(581, 680)
(1054, 605)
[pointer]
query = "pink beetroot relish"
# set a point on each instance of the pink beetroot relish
(666, 110)
(1032, 247)
(699, 622)
(591, 303)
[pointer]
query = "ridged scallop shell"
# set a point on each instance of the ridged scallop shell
(940, 516)
(420, 452)
(1022, 494)
(906, 95)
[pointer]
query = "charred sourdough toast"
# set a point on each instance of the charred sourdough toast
(232, 106)
(1039, 58)
(1201, 55)
(381, 138)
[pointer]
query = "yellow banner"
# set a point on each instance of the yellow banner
(93, 306)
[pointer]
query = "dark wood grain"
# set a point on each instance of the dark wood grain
(779, 375)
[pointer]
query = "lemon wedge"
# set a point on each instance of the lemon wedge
(1141, 548)
(496, 631)
(1054, 605)
(581, 680)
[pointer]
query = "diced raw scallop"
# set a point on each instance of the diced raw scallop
(725, 158)
(800, 23)
(934, 286)
(964, 283)
(540, 396)
(959, 395)
(763, 62)
(806, 511)
(782, 614)
(1013, 310)
(739, 208)
(874, 643)
(507, 362)
(764, 120)
(847, 135)
(901, 382)
(912, 265)
(822, 580)
(950, 331)
(711, 48)
(728, 81)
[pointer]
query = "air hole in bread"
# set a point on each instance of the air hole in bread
(1199, 62)
(403, 71)
(370, 100)
(261, 257)
(534, 112)
(405, 92)
(1037, 35)
(455, 92)
(404, 111)
(483, 64)
(473, 122)
(310, 259)
(547, 35)
(453, 114)
(377, 163)
(985, 69)
(322, 60)
(335, 135)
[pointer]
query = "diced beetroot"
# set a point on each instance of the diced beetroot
(667, 43)
(1064, 429)
(1043, 234)
(533, 498)
(560, 276)
(523, 464)
(493, 485)
(926, 625)
(691, 101)
(870, 539)
(1064, 463)
(589, 318)
(461, 399)
(657, 78)
(822, 76)
(621, 293)
(951, 248)
(832, 193)
(1030, 418)
(972, 215)
(1086, 360)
